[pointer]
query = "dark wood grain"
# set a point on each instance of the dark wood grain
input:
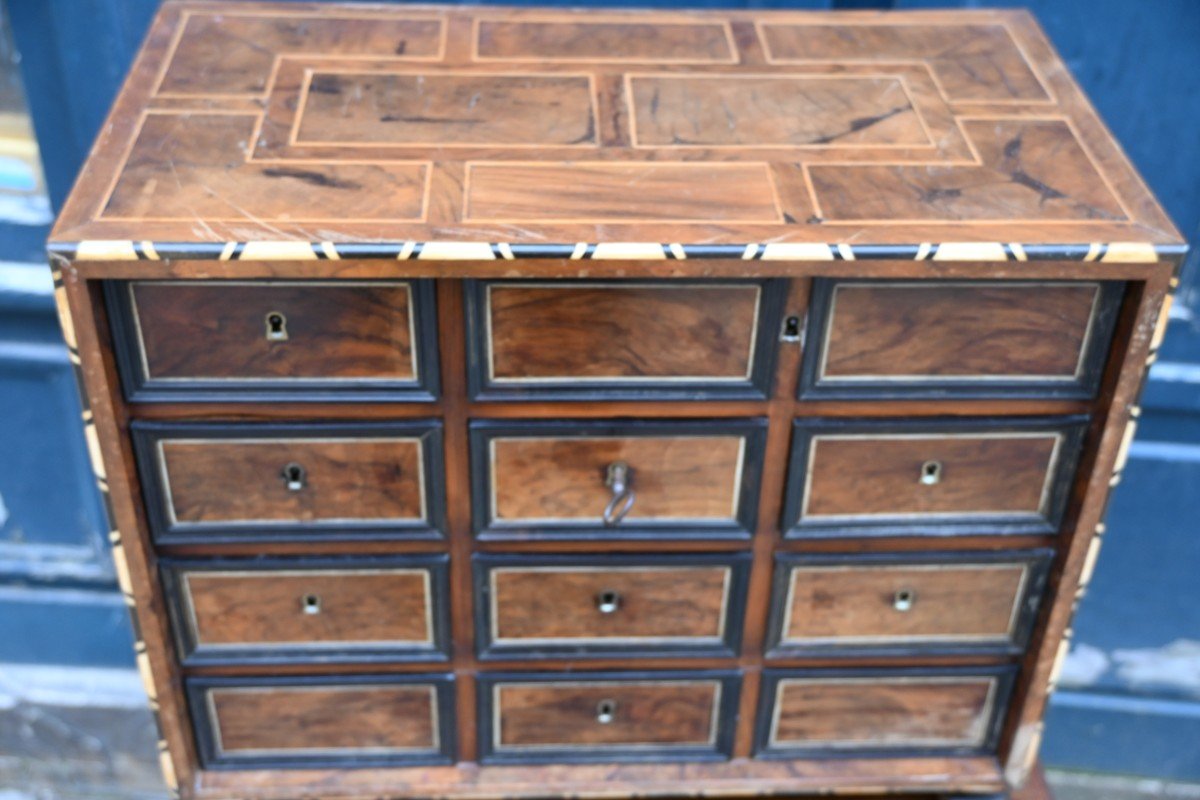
(561, 603)
(622, 331)
(322, 721)
(681, 478)
(531, 715)
(902, 712)
(881, 476)
(984, 331)
(218, 331)
(232, 481)
(957, 602)
(280, 610)
(336, 719)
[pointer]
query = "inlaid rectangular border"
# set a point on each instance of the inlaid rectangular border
(165, 530)
(814, 385)
(1003, 678)
(482, 432)
(727, 684)
(727, 645)
(1069, 431)
(192, 652)
(139, 387)
(208, 735)
(1036, 564)
(756, 385)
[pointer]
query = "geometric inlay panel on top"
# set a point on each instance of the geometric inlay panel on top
(454, 124)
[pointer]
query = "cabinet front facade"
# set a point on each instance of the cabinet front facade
(499, 403)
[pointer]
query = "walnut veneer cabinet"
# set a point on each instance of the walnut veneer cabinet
(527, 403)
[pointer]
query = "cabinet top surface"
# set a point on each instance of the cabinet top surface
(258, 131)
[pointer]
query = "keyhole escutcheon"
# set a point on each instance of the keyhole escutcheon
(276, 327)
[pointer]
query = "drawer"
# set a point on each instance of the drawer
(603, 717)
(611, 480)
(905, 604)
(669, 605)
(275, 340)
(933, 339)
(277, 610)
(587, 340)
(884, 712)
(323, 721)
(919, 477)
(217, 482)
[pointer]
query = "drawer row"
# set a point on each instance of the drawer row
(606, 479)
(378, 609)
(590, 340)
(378, 720)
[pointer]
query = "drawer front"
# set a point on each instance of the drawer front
(547, 606)
(245, 482)
(599, 717)
(947, 711)
(326, 721)
(637, 479)
(976, 602)
(879, 339)
(584, 340)
(912, 477)
(275, 340)
(292, 609)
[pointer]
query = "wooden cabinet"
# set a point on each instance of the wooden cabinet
(517, 403)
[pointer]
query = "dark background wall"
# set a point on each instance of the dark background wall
(1131, 693)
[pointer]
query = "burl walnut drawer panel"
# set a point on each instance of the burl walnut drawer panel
(875, 339)
(902, 604)
(616, 479)
(613, 716)
(275, 340)
(900, 477)
(214, 482)
(546, 606)
(308, 609)
(584, 340)
(884, 712)
(324, 721)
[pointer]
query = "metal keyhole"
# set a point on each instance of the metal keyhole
(294, 477)
(606, 711)
(931, 473)
(311, 604)
(903, 599)
(276, 327)
(608, 602)
(791, 330)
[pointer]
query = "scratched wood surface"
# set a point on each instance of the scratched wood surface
(347, 124)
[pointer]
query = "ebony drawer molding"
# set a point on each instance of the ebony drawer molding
(620, 606)
(968, 339)
(930, 477)
(583, 717)
(343, 721)
(904, 604)
(606, 340)
(922, 711)
(619, 479)
(319, 340)
(308, 610)
(243, 482)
